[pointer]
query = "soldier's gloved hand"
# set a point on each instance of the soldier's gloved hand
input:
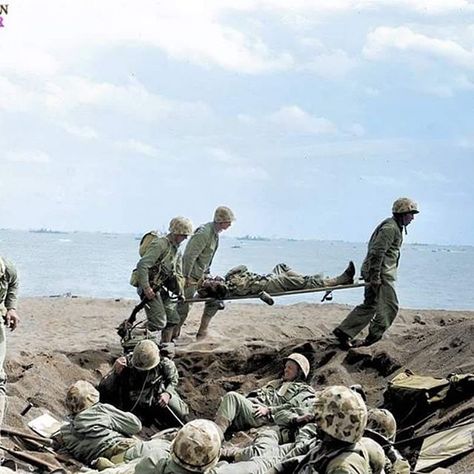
(164, 399)
(149, 293)
(180, 298)
(12, 319)
(261, 411)
(120, 364)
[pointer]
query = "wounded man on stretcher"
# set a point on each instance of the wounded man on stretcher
(239, 281)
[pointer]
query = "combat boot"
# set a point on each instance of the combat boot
(223, 423)
(202, 331)
(167, 334)
(346, 278)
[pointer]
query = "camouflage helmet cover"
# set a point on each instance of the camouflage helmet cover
(181, 226)
(197, 446)
(81, 395)
(301, 361)
(146, 355)
(405, 205)
(223, 214)
(382, 422)
(341, 413)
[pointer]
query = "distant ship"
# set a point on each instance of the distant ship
(253, 237)
(43, 230)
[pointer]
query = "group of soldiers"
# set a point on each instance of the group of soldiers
(300, 429)
(305, 431)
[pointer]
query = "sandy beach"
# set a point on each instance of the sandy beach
(61, 340)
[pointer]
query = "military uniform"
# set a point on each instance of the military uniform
(139, 391)
(241, 282)
(105, 431)
(8, 300)
(277, 395)
(160, 264)
(197, 259)
(380, 305)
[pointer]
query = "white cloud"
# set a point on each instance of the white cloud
(84, 132)
(223, 156)
(384, 40)
(294, 119)
(28, 156)
(136, 146)
(331, 65)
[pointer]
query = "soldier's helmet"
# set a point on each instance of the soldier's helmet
(341, 413)
(197, 446)
(181, 226)
(405, 205)
(223, 214)
(376, 455)
(382, 422)
(146, 355)
(81, 395)
(301, 361)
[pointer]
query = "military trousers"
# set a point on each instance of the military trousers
(379, 309)
(3, 352)
(160, 311)
(210, 308)
(240, 411)
(283, 278)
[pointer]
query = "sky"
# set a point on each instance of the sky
(307, 117)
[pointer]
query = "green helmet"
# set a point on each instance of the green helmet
(181, 226)
(197, 446)
(382, 422)
(341, 413)
(405, 205)
(146, 355)
(223, 214)
(81, 395)
(376, 455)
(301, 361)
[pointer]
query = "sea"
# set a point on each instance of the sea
(99, 265)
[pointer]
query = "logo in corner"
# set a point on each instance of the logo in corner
(3, 13)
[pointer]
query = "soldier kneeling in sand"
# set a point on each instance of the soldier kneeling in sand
(101, 435)
(146, 384)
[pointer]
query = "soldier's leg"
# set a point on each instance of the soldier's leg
(156, 314)
(172, 320)
(266, 443)
(158, 448)
(360, 316)
(210, 310)
(386, 312)
(179, 406)
(3, 378)
(237, 411)
(183, 308)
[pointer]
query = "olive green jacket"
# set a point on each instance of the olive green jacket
(279, 395)
(161, 260)
(200, 251)
(94, 430)
(8, 285)
(383, 252)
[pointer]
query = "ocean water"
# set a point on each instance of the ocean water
(99, 265)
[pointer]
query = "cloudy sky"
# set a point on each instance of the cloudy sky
(307, 117)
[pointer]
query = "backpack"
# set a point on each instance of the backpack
(145, 243)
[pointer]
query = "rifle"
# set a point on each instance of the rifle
(30, 458)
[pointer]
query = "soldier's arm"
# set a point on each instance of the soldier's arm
(179, 274)
(378, 249)
(13, 284)
(170, 376)
(154, 254)
(197, 243)
(123, 422)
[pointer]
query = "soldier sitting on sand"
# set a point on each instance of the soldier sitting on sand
(145, 383)
(239, 281)
(261, 406)
(101, 434)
